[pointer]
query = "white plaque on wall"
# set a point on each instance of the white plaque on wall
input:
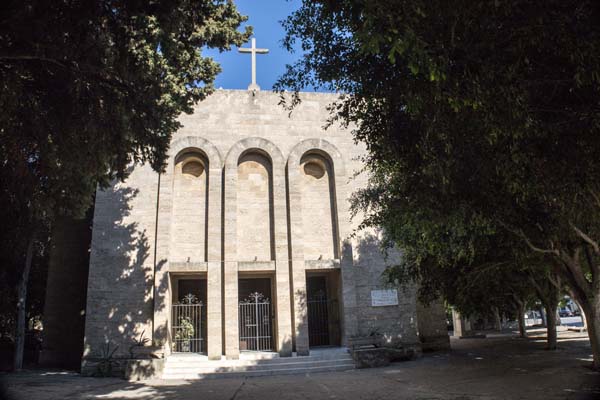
(380, 298)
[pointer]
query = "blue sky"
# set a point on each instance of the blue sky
(264, 17)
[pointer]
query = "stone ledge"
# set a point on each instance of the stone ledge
(139, 370)
(126, 368)
(246, 266)
(322, 264)
(382, 356)
(188, 267)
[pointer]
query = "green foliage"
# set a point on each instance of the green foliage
(482, 125)
(186, 329)
(87, 89)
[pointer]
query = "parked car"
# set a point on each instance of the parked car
(565, 313)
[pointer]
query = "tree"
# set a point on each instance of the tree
(88, 88)
(474, 114)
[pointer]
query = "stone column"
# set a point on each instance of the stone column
(162, 295)
(282, 268)
(214, 304)
(230, 265)
(297, 253)
(349, 303)
(300, 308)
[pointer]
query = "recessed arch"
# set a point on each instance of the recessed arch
(190, 206)
(254, 145)
(316, 174)
(195, 143)
(254, 218)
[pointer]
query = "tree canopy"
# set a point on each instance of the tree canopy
(87, 90)
(480, 119)
(90, 87)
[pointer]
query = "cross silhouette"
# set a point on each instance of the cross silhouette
(253, 51)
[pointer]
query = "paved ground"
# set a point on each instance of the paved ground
(500, 367)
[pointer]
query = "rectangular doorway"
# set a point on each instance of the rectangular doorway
(188, 315)
(256, 314)
(323, 309)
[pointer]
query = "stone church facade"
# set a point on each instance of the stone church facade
(244, 243)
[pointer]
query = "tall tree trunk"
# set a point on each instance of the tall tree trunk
(583, 318)
(21, 306)
(592, 315)
(521, 319)
(543, 315)
(551, 304)
(497, 319)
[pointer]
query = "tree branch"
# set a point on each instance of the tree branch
(586, 238)
(572, 265)
(34, 58)
(533, 247)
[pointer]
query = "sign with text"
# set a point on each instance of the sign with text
(387, 297)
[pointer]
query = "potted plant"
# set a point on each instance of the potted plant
(184, 334)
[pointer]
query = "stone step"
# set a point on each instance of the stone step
(192, 362)
(260, 372)
(218, 367)
(196, 366)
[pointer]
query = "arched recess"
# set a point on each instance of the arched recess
(203, 150)
(189, 225)
(307, 159)
(254, 218)
(326, 156)
(180, 152)
(256, 149)
(319, 212)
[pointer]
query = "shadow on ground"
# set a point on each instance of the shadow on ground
(495, 368)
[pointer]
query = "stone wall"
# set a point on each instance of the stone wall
(119, 301)
(276, 213)
(397, 323)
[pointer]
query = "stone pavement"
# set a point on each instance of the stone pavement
(502, 367)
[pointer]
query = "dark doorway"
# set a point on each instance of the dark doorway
(189, 316)
(255, 314)
(322, 308)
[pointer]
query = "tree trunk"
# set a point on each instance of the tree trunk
(21, 307)
(592, 316)
(551, 305)
(521, 319)
(497, 319)
(583, 317)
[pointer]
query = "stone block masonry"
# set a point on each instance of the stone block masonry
(249, 193)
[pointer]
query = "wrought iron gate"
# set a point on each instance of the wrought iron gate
(322, 317)
(255, 323)
(187, 325)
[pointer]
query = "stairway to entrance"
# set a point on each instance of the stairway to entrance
(195, 366)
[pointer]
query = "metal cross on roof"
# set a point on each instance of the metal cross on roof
(253, 51)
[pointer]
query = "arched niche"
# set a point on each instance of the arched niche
(319, 216)
(316, 166)
(190, 207)
(254, 219)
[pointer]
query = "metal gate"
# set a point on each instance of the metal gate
(322, 318)
(187, 325)
(255, 323)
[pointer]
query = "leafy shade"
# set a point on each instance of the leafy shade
(89, 87)
(480, 118)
